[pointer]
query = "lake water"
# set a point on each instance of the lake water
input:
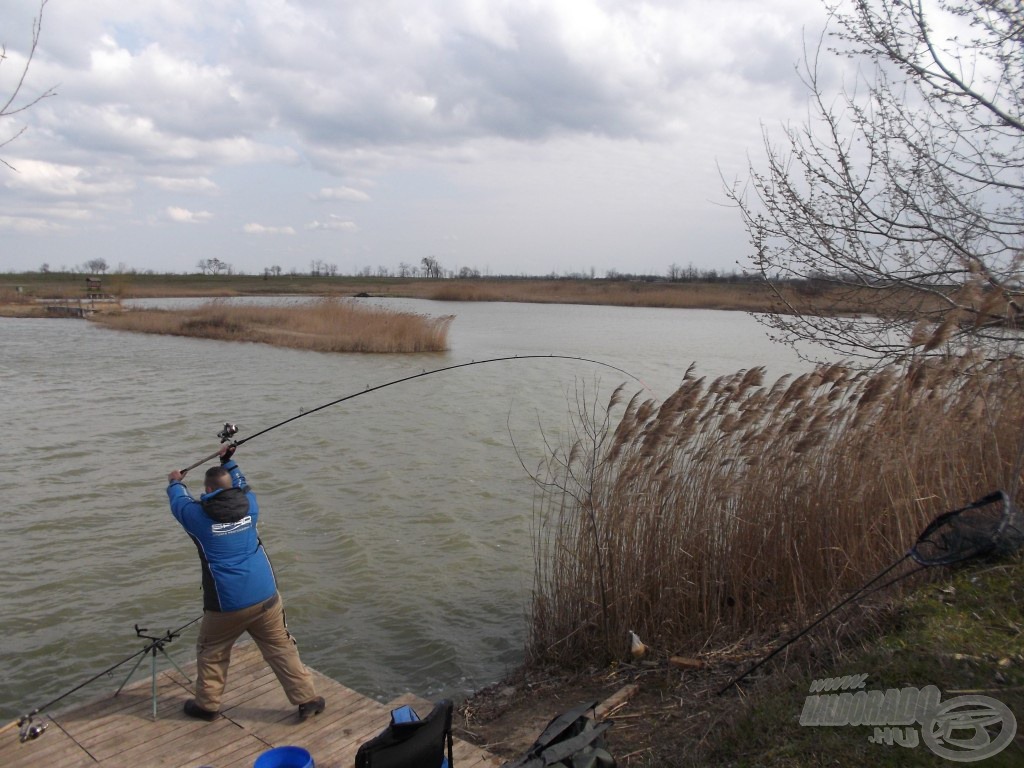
(398, 522)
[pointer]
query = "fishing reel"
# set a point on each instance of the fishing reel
(229, 431)
(29, 730)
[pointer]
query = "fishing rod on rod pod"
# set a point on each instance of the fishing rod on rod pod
(31, 730)
(230, 430)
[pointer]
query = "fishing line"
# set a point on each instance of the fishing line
(849, 599)
(230, 429)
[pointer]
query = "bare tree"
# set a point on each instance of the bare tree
(904, 192)
(215, 266)
(11, 105)
(97, 265)
(431, 267)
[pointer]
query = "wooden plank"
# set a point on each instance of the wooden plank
(242, 689)
(243, 751)
(173, 742)
(106, 735)
(243, 760)
(131, 701)
(270, 713)
(54, 747)
(119, 732)
(337, 744)
(350, 726)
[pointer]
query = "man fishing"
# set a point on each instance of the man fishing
(239, 589)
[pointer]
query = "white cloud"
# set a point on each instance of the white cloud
(335, 224)
(185, 216)
(347, 194)
(541, 130)
(193, 184)
(260, 229)
(28, 225)
(44, 179)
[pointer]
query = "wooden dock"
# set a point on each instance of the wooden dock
(120, 732)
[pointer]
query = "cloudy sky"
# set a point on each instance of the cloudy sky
(508, 136)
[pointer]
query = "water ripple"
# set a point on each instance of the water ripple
(399, 523)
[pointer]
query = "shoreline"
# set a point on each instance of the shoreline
(735, 294)
(671, 713)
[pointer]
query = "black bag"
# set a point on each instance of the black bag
(409, 741)
(571, 740)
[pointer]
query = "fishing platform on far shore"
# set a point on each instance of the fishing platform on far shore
(119, 731)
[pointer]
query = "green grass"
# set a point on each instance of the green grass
(961, 633)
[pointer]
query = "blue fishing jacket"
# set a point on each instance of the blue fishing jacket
(236, 570)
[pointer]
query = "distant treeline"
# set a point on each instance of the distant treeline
(428, 268)
(688, 288)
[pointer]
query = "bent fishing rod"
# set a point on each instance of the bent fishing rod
(230, 430)
(31, 731)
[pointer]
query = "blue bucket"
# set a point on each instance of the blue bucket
(285, 757)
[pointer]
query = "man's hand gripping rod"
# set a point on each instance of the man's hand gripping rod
(229, 431)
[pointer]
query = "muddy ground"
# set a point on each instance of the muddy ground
(662, 714)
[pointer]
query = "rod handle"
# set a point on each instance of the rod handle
(10, 725)
(213, 455)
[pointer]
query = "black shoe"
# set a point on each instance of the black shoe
(311, 708)
(194, 710)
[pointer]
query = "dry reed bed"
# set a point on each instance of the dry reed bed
(734, 508)
(754, 297)
(749, 296)
(327, 325)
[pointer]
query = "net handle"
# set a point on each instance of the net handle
(942, 519)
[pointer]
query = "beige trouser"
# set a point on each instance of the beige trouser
(265, 624)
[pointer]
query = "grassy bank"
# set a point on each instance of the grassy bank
(962, 634)
(960, 631)
(736, 509)
(328, 325)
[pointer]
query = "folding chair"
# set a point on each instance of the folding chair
(409, 742)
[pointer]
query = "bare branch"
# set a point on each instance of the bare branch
(9, 107)
(903, 194)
